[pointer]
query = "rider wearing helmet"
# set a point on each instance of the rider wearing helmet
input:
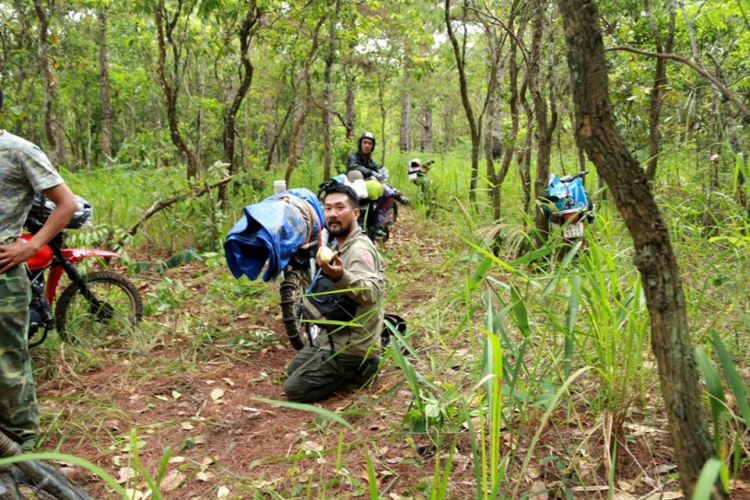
(360, 162)
(24, 170)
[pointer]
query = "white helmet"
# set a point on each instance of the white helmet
(415, 162)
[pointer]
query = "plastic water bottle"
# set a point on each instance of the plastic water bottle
(279, 186)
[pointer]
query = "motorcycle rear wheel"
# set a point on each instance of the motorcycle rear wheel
(77, 318)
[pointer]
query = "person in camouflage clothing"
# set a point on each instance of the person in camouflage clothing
(24, 169)
(349, 354)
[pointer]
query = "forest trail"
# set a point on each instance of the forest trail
(193, 392)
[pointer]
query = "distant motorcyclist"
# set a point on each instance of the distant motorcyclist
(360, 164)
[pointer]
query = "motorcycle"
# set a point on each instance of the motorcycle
(568, 206)
(100, 303)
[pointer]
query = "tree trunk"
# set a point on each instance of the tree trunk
(405, 128)
(350, 110)
(104, 88)
(383, 115)
(48, 79)
(654, 256)
(164, 30)
(425, 139)
(658, 89)
(474, 127)
(543, 135)
(327, 94)
(304, 106)
(245, 34)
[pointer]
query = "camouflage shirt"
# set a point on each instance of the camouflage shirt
(24, 170)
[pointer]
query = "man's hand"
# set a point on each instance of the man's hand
(335, 270)
(15, 254)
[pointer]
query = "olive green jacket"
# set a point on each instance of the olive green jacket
(364, 282)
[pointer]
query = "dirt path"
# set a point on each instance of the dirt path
(192, 386)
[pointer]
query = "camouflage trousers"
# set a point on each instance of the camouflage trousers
(18, 406)
(315, 374)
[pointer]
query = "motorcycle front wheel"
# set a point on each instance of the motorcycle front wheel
(292, 287)
(109, 306)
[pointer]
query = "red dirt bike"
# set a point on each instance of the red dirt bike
(100, 303)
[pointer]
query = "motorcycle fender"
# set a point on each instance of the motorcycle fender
(77, 254)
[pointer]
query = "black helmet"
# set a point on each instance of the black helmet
(366, 135)
(42, 208)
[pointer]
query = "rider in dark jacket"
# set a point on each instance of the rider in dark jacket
(361, 160)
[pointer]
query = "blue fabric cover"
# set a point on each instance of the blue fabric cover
(570, 195)
(272, 230)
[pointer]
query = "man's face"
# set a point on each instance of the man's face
(339, 214)
(367, 146)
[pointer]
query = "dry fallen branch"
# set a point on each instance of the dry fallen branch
(162, 204)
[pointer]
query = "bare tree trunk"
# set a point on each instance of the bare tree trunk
(523, 157)
(654, 256)
(510, 145)
(383, 115)
(328, 92)
(44, 14)
(304, 108)
(405, 129)
(245, 34)
(658, 89)
(425, 139)
(543, 135)
(104, 88)
(474, 126)
(350, 110)
(165, 29)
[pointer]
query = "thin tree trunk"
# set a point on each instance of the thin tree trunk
(44, 13)
(543, 136)
(654, 256)
(104, 88)
(383, 115)
(328, 93)
(474, 127)
(245, 34)
(304, 108)
(425, 139)
(164, 30)
(350, 110)
(658, 89)
(405, 128)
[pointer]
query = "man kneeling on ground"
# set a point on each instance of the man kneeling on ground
(348, 354)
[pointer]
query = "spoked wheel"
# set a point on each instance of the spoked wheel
(109, 306)
(292, 288)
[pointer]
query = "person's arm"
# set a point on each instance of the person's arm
(352, 162)
(362, 275)
(20, 251)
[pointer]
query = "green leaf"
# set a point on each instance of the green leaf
(730, 372)
(309, 408)
(706, 481)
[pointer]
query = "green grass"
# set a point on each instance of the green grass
(516, 365)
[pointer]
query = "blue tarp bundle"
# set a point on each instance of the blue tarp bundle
(272, 230)
(567, 195)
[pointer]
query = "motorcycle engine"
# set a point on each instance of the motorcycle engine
(40, 311)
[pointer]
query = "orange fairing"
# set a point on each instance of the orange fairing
(41, 259)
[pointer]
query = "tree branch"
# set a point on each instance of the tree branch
(162, 204)
(699, 69)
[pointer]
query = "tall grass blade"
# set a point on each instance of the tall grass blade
(712, 470)
(543, 424)
(85, 464)
(716, 393)
(730, 372)
(374, 494)
(309, 408)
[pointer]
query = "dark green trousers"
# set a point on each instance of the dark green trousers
(18, 407)
(314, 374)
